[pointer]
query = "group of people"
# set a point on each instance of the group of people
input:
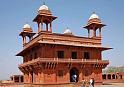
(74, 78)
(92, 81)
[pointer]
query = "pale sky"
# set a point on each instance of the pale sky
(73, 14)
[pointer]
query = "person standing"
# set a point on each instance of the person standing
(75, 78)
(92, 82)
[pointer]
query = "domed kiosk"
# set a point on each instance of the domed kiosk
(27, 32)
(93, 24)
(44, 16)
(27, 28)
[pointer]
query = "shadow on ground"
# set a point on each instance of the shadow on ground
(107, 84)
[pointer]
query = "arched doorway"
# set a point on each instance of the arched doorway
(104, 76)
(74, 75)
(113, 76)
(109, 76)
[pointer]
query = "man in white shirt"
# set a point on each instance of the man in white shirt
(92, 82)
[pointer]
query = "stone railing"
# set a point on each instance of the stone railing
(67, 60)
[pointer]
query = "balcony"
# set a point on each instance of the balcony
(57, 60)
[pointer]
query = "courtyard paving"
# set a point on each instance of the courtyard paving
(111, 85)
(104, 85)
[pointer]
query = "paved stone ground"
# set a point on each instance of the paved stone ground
(111, 85)
(105, 85)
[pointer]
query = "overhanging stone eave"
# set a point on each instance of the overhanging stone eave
(25, 50)
(78, 45)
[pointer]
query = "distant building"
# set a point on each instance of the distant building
(53, 58)
(113, 77)
(17, 78)
(15, 81)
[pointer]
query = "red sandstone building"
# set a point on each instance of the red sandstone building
(51, 58)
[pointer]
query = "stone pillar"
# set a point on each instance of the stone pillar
(50, 26)
(100, 34)
(111, 76)
(24, 40)
(13, 78)
(25, 77)
(88, 33)
(19, 79)
(39, 27)
(106, 76)
(29, 78)
(94, 33)
(46, 26)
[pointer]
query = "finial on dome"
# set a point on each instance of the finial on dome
(67, 28)
(43, 7)
(43, 3)
(26, 23)
(94, 12)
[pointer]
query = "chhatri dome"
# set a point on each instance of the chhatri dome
(94, 23)
(68, 31)
(27, 28)
(44, 10)
(94, 16)
(94, 19)
(43, 7)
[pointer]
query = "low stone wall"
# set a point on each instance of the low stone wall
(11, 85)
